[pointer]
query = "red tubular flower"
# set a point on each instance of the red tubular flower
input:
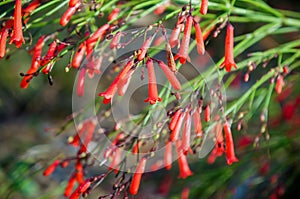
(70, 186)
(186, 136)
(207, 114)
(168, 156)
(64, 20)
(17, 36)
(80, 82)
(204, 6)
(170, 58)
(230, 155)
(29, 9)
(152, 87)
(35, 63)
(136, 147)
(73, 3)
(170, 75)
(51, 168)
(161, 8)
(3, 37)
(115, 40)
(175, 132)
(185, 193)
(136, 180)
(110, 92)
(78, 56)
(175, 119)
(48, 57)
(199, 39)
(184, 169)
(279, 84)
(197, 122)
(184, 48)
(98, 35)
(174, 39)
(84, 186)
(144, 48)
(229, 42)
(124, 83)
(159, 41)
(114, 14)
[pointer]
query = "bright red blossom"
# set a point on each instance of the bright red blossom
(229, 42)
(136, 180)
(184, 48)
(152, 86)
(17, 36)
(230, 155)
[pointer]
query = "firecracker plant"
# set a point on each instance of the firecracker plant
(198, 116)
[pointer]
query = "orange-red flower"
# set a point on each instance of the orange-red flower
(279, 84)
(175, 132)
(184, 169)
(17, 35)
(170, 75)
(64, 20)
(143, 50)
(115, 40)
(29, 9)
(168, 155)
(199, 38)
(184, 47)
(203, 7)
(207, 114)
(112, 89)
(230, 155)
(35, 63)
(186, 136)
(3, 37)
(197, 122)
(73, 3)
(229, 42)
(152, 86)
(80, 82)
(51, 168)
(78, 56)
(136, 180)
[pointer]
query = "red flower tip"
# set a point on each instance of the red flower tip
(184, 169)
(51, 168)
(115, 40)
(186, 136)
(207, 114)
(73, 3)
(114, 14)
(230, 155)
(98, 35)
(174, 119)
(184, 48)
(110, 92)
(136, 180)
(174, 39)
(168, 156)
(199, 38)
(152, 87)
(84, 186)
(77, 59)
(203, 7)
(80, 82)
(175, 132)
(70, 186)
(170, 75)
(143, 50)
(17, 36)
(64, 20)
(229, 42)
(197, 123)
(279, 84)
(3, 37)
